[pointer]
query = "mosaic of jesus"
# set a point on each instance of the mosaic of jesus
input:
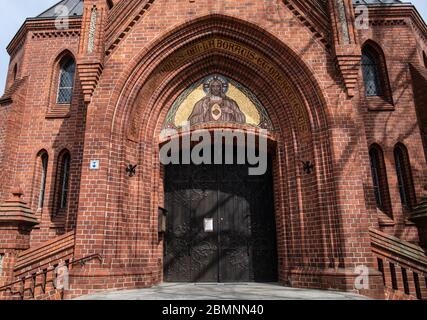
(217, 99)
(216, 106)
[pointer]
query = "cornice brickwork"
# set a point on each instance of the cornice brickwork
(55, 34)
(41, 26)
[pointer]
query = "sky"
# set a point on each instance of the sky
(13, 14)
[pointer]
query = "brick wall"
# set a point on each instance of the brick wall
(38, 62)
(389, 123)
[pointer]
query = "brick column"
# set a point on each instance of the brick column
(419, 217)
(90, 61)
(40, 285)
(387, 274)
(16, 223)
(353, 215)
(347, 52)
(399, 278)
(423, 286)
(411, 282)
(29, 286)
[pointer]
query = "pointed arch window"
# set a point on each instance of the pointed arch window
(44, 159)
(15, 72)
(379, 179)
(404, 176)
(425, 59)
(66, 80)
(65, 174)
(371, 74)
(375, 77)
(62, 180)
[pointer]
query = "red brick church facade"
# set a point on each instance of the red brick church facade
(95, 87)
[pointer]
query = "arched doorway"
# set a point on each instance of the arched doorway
(281, 81)
(221, 224)
(219, 189)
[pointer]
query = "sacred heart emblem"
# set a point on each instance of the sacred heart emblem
(216, 112)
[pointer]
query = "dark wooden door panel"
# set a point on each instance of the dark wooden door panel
(235, 219)
(242, 245)
(178, 236)
(204, 201)
(263, 227)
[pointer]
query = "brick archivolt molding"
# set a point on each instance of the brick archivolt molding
(314, 15)
(122, 19)
(218, 50)
(239, 32)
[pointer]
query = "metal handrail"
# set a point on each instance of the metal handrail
(81, 261)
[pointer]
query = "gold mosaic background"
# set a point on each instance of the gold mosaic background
(245, 104)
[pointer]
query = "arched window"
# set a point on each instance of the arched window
(404, 176)
(379, 179)
(425, 59)
(66, 80)
(371, 74)
(62, 181)
(43, 163)
(15, 72)
(374, 69)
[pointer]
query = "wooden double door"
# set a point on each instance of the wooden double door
(220, 225)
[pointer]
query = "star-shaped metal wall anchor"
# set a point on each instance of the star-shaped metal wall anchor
(131, 170)
(308, 167)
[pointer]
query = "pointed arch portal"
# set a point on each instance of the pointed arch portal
(269, 87)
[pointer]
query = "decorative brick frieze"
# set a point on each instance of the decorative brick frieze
(387, 23)
(55, 34)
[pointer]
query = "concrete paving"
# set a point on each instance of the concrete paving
(241, 291)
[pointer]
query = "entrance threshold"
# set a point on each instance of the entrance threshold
(230, 292)
(220, 284)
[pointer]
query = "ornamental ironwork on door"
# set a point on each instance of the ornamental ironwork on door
(221, 225)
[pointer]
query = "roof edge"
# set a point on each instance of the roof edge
(33, 23)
